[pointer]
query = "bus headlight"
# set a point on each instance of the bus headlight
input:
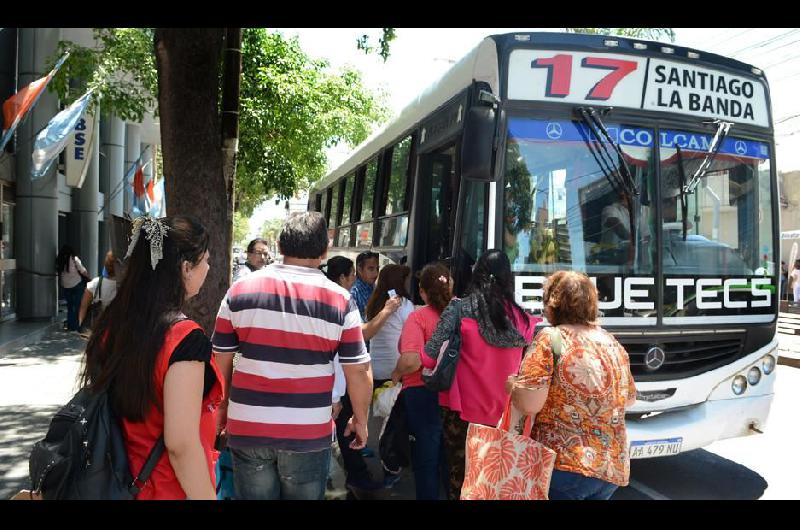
(753, 375)
(768, 364)
(739, 385)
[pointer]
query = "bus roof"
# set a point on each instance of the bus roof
(480, 65)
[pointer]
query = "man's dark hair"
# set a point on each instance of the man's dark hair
(252, 245)
(304, 236)
(364, 256)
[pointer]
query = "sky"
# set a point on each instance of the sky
(419, 56)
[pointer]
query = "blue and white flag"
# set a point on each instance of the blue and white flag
(53, 138)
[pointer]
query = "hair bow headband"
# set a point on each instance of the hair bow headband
(155, 232)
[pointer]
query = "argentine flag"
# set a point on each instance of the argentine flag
(53, 138)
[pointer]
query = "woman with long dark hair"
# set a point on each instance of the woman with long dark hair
(156, 363)
(383, 345)
(71, 274)
(494, 332)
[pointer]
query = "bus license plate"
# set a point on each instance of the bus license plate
(652, 448)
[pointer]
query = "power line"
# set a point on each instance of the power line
(766, 42)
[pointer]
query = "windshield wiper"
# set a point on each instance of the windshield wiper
(682, 191)
(621, 180)
(722, 131)
(591, 118)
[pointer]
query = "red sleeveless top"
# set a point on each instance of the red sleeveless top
(141, 436)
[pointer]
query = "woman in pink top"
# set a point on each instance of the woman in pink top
(494, 332)
(422, 405)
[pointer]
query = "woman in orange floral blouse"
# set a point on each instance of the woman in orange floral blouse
(580, 404)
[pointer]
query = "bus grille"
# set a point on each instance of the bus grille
(684, 356)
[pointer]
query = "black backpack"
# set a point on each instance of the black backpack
(83, 455)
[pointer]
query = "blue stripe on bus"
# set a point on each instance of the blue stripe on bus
(570, 131)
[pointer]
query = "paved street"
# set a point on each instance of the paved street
(36, 380)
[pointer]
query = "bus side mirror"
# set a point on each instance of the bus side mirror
(477, 143)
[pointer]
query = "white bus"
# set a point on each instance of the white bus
(648, 167)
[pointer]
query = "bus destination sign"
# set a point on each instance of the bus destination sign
(636, 82)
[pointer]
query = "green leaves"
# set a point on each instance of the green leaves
(121, 69)
(384, 43)
(292, 109)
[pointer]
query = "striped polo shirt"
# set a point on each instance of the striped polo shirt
(288, 322)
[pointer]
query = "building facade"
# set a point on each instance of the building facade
(38, 216)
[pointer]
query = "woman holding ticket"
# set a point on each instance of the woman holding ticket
(391, 284)
(576, 379)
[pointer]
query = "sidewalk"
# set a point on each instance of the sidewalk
(39, 365)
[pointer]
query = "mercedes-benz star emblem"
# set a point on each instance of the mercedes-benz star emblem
(554, 131)
(741, 147)
(654, 358)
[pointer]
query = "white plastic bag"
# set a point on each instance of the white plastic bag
(384, 397)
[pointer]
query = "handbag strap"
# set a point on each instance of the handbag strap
(505, 420)
(98, 292)
(556, 344)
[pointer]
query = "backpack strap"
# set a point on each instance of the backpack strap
(149, 465)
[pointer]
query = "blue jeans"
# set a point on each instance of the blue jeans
(427, 449)
(73, 295)
(261, 473)
(566, 486)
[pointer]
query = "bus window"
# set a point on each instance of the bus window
(473, 232)
(728, 226)
(394, 231)
(347, 200)
(368, 194)
(398, 177)
(437, 188)
(344, 236)
(364, 234)
(323, 205)
(333, 220)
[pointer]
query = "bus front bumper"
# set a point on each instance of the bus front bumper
(678, 431)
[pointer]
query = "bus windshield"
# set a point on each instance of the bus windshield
(728, 215)
(563, 209)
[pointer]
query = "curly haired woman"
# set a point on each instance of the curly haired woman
(576, 380)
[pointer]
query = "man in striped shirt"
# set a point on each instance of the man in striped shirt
(288, 321)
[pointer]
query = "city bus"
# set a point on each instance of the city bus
(649, 167)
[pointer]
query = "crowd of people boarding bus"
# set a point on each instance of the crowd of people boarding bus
(314, 337)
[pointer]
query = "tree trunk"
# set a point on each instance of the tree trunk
(230, 117)
(188, 62)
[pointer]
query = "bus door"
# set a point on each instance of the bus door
(438, 192)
